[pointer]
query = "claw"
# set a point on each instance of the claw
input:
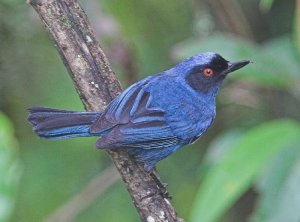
(160, 185)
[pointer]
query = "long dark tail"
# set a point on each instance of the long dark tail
(59, 124)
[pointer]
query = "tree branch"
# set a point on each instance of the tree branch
(97, 85)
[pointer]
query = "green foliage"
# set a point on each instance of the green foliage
(236, 171)
(229, 156)
(297, 29)
(152, 27)
(288, 196)
(266, 5)
(272, 186)
(270, 60)
(9, 169)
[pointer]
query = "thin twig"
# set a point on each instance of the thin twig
(94, 189)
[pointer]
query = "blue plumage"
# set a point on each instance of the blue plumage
(152, 118)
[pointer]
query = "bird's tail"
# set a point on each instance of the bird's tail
(59, 124)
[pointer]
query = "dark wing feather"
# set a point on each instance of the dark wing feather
(117, 112)
(143, 135)
(134, 123)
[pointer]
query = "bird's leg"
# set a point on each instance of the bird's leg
(162, 186)
(157, 179)
(159, 184)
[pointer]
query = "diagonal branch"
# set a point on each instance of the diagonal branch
(97, 85)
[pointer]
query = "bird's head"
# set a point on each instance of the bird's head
(206, 71)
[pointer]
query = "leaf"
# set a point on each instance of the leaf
(288, 203)
(283, 49)
(9, 169)
(265, 5)
(235, 173)
(272, 182)
(220, 147)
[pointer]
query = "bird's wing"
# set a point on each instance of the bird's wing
(134, 123)
(117, 111)
(144, 135)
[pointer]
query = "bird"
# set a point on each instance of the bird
(153, 117)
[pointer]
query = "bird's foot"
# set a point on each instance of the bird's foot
(160, 185)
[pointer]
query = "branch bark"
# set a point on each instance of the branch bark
(97, 85)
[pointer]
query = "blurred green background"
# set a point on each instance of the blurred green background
(247, 166)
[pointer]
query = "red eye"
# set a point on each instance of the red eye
(208, 72)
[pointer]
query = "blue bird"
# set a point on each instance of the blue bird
(152, 118)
